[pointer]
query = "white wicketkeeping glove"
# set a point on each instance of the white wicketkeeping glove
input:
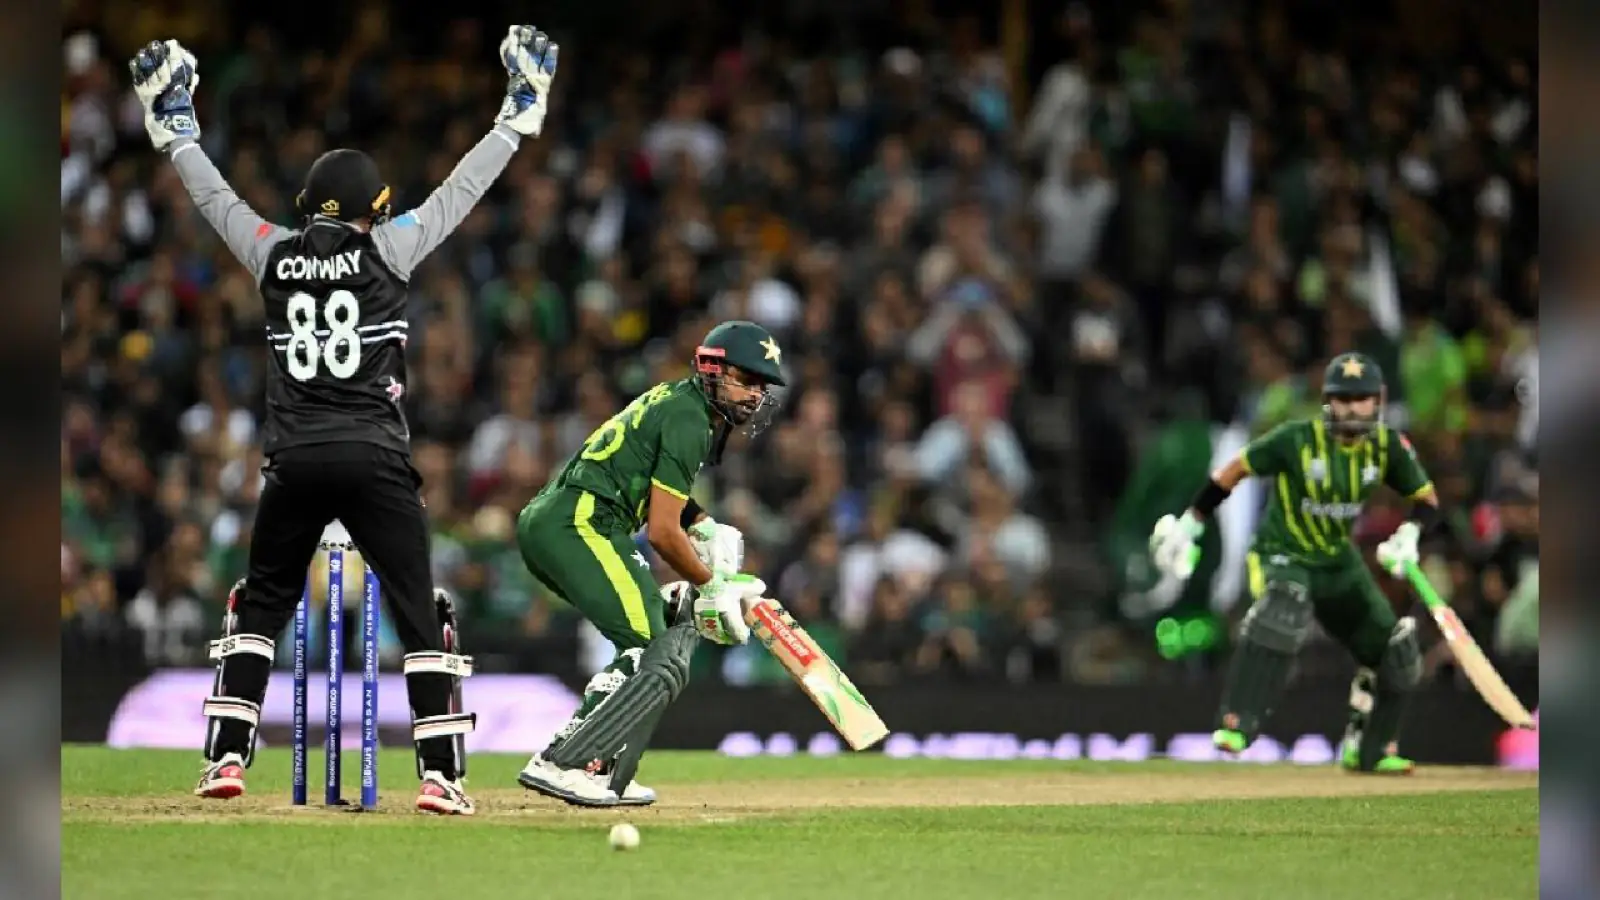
(1399, 549)
(530, 60)
(719, 607)
(165, 77)
(1172, 544)
(719, 546)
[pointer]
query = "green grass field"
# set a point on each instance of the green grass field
(858, 827)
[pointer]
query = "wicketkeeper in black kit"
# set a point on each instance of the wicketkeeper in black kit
(335, 438)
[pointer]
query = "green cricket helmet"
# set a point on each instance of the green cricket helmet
(754, 352)
(1352, 376)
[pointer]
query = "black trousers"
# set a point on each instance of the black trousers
(373, 492)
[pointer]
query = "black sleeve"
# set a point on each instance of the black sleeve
(691, 512)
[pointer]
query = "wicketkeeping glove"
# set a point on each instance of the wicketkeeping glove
(165, 77)
(1172, 544)
(530, 60)
(1399, 549)
(719, 546)
(719, 607)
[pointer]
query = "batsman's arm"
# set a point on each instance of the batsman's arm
(678, 459)
(408, 239)
(1268, 454)
(248, 236)
(666, 534)
(1403, 471)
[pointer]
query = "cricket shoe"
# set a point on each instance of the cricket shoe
(578, 787)
(223, 779)
(441, 796)
(1229, 741)
(1391, 764)
(636, 794)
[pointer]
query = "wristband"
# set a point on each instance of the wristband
(691, 512)
(1429, 517)
(1209, 498)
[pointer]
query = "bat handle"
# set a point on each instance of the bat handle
(1424, 587)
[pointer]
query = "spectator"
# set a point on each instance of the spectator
(970, 433)
(953, 629)
(887, 643)
(997, 530)
(1073, 203)
(1434, 374)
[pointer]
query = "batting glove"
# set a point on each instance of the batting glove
(719, 607)
(165, 77)
(530, 60)
(1399, 549)
(1172, 544)
(719, 546)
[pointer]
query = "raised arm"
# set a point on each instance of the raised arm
(248, 236)
(406, 241)
(165, 77)
(529, 57)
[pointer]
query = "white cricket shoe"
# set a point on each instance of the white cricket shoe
(576, 786)
(223, 779)
(441, 796)
(636, 794)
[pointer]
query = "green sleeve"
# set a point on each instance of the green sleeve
(1272, 452)
(684, 446)
(1403, 471)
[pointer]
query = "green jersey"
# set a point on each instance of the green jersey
(1317, 486)
(662, 438)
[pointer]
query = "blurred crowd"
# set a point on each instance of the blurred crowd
(1017, 294)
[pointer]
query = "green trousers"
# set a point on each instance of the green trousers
(1347, 601)
(579, 549)
(584, 552)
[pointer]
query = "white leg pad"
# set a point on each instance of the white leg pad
(219, 707)
(232, 708)
(246, 644)
(450, 664)
(443, 726)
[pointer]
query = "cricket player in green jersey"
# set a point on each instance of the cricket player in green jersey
(577, 537)
(1303, 566)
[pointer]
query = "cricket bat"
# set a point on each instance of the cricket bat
(816, 673)
(1491, 687)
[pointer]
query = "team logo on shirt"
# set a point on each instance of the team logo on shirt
(1318, 470)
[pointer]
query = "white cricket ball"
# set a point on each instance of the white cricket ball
(624, 836)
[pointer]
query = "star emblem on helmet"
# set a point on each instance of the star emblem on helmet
(1352, 368)
(773, 352)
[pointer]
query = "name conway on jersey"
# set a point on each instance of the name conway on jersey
(334, 298)
(336, 325)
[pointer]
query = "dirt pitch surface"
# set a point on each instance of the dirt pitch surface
(730, 801)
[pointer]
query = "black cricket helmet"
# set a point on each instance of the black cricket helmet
(755, 353)
(344, 184)
(1352, 376)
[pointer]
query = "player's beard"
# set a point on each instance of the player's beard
(751, 416)
(1350, 426)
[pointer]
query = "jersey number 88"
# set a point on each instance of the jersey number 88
(340, 354)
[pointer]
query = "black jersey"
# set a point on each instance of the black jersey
(335, 298)
(336, 329)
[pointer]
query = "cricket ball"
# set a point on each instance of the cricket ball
(624, 836)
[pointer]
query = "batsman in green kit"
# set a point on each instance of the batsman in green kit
(1304, 568)
(636, 472)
